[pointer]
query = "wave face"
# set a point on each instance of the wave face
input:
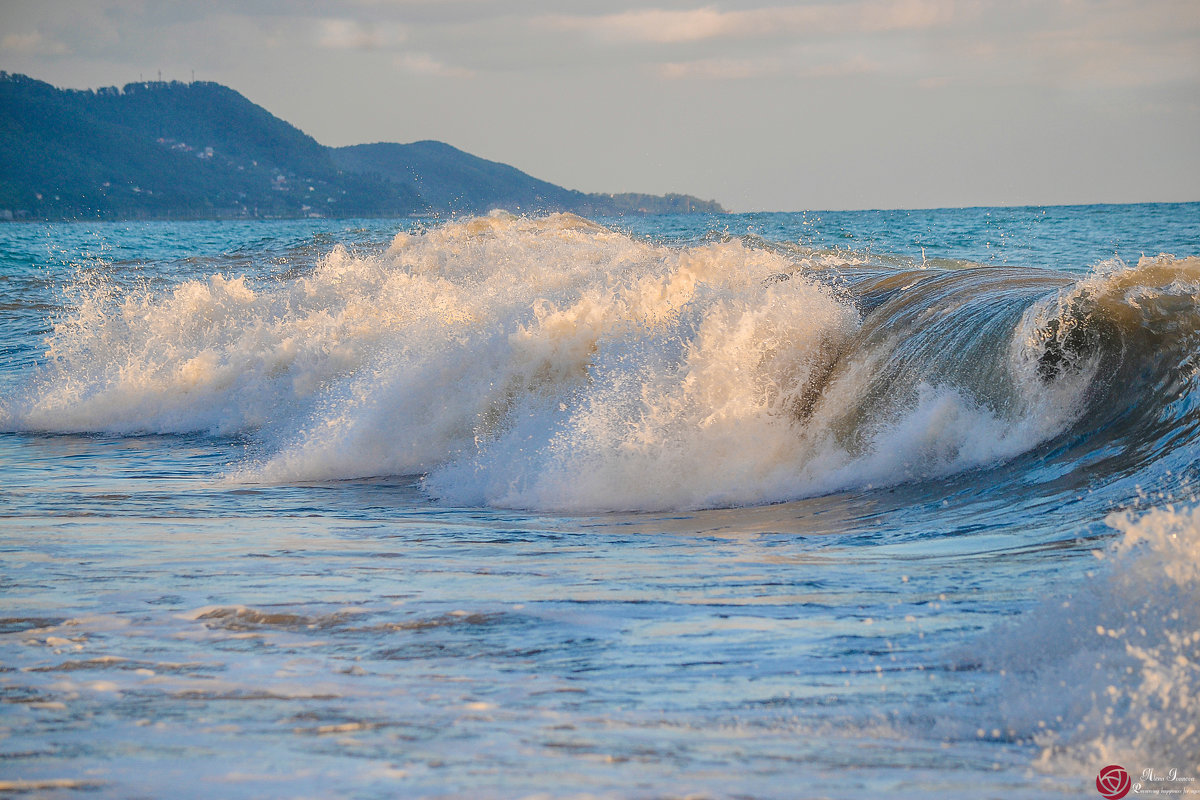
(553, 363)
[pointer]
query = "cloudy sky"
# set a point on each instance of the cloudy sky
(760, 104)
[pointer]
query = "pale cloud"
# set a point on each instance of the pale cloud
(1103, 44)
(663, 26)
(1116, 43)
(32, 44)
(858, 65)
(752, 68)
(349, 34)
(721, 69)
(1066, 59)
(425, 64)
(653, 25)
(936, 82)
(911, 15)
(929, 43)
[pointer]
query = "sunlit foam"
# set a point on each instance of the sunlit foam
(1108, 674)
(539, 363)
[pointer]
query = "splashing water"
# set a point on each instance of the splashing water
(307, 518)
(554, 363)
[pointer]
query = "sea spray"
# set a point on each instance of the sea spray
(1108, 673)
(583, 353)
(172, 619)
(554, 363)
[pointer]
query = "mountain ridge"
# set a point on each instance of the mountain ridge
(201, 150)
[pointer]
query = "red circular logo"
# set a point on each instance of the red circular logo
(1113, 782)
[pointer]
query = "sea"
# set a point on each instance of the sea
(874, 504)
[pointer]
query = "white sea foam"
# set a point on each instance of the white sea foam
(547, 363)
(1111, 673)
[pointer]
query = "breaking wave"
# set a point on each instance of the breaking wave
(554, 363)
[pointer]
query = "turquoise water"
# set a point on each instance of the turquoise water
(836, 504)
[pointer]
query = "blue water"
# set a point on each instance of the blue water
(836, 504)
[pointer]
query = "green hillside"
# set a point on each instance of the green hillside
(201, 150)
(449, 180)
(168, 150)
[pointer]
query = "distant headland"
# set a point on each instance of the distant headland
(200, 150)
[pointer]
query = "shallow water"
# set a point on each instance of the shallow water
(762, 505)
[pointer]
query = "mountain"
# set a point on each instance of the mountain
(449, 180)
(169, 150)
(201, 150)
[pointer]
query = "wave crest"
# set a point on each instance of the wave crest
(554, 363)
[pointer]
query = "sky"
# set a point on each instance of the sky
(758, 104)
